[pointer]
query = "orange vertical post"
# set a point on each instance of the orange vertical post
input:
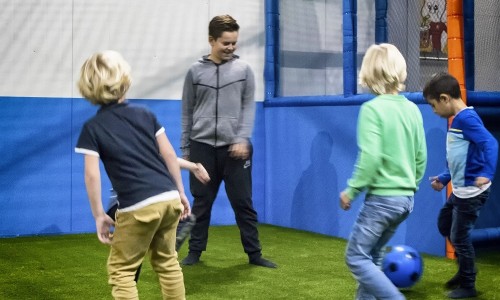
(456, 65)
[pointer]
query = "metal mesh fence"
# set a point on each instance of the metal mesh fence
(487, 45)
(310, 48)
(311, 43)
(418, 29)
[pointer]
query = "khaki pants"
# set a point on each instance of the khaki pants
(150, 228)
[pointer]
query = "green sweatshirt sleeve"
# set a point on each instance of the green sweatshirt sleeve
(369, 152)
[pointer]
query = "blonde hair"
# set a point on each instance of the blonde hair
(104, 77)
(383, 69)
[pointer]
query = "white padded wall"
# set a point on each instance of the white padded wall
(36, 48)
(44, 42)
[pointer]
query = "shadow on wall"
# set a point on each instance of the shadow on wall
(316, 194)
(52, 229)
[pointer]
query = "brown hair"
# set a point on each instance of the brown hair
(222, 23)
(442, 83)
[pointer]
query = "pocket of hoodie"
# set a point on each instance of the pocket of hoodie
(202, 127)
(226, 129)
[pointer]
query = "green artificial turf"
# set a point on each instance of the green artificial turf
(311, 266)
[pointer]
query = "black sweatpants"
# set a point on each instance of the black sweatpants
(237, 177)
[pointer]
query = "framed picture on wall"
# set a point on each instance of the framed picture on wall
(433, 30)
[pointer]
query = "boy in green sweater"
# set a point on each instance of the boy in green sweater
(390, 165)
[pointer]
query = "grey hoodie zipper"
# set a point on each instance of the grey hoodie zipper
(216, 104)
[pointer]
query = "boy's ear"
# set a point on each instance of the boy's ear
(211, 40)
(444, 98)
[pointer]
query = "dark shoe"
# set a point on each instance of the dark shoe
(263, 263)
(462, 293)
(183, 230)
(192, 259)
(453, 283)
(137, 273)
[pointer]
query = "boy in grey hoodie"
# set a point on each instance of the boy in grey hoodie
(218, 112)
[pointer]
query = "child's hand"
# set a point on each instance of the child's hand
(345, 202)
(187, 208)
(239, 151)
(103, 224)
(201, 174)
(480, 181)
(436, 184)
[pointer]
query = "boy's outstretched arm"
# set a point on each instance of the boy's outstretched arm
(93, 185)
(168, 154)
(196, 168)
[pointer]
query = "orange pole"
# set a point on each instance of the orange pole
(456, 66)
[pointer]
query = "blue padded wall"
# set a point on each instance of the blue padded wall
(42, 190)
(35, 169)
(313, 151)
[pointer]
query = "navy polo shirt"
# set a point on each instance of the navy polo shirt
(123, 136)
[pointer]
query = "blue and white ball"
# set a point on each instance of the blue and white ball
(403, 266)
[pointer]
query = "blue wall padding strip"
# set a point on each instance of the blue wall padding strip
(468, 9)
(485, 235)
(381, 21)
(489, 100)
(483, 98)
(349, 31)
(272, 65)
(334, 100)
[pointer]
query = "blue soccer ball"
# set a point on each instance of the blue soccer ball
(403, 266)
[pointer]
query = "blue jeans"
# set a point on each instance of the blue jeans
(456, 221)
(377, 222)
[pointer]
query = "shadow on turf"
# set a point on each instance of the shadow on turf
(419, 292)
(198, 278)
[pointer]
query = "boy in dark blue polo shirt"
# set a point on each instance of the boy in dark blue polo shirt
(184, 228)
(143, 169)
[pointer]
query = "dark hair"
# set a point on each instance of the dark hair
(222, 23)
(442, 83)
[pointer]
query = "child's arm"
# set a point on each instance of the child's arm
(475, 131)
(93, 185)
(168, 154)
(196, 168)
(436, 184)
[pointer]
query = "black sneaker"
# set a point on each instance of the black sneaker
(454, 282)
(462, 293)
(260, 261)
(183, 230)
(192, 259)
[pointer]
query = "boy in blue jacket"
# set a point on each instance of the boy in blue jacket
(471, 153)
